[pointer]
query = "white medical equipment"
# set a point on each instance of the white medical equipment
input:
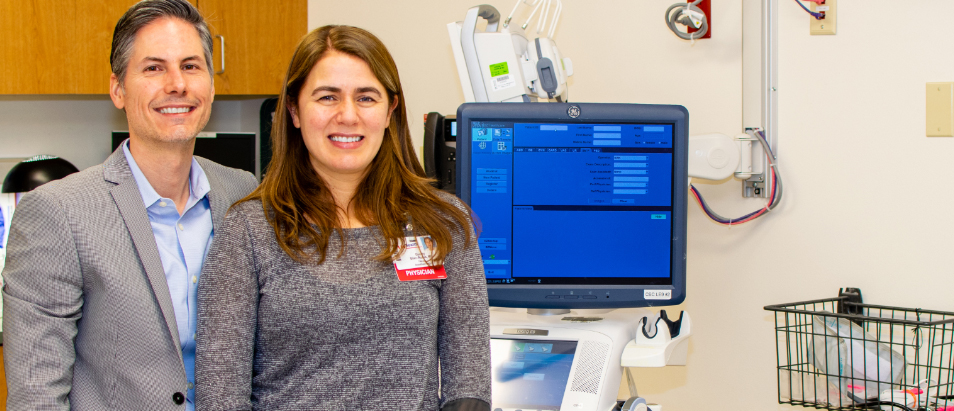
(716, 156)
(500, 64)
(574, 361)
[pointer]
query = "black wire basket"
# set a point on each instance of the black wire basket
(841, 354)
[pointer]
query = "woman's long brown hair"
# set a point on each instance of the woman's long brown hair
(394, 192)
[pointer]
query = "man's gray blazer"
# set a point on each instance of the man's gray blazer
(88, 322)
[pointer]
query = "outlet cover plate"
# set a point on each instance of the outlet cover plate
(828, 24)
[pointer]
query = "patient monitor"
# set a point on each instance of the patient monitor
(582, 213)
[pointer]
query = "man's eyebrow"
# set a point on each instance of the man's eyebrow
(153, 59)
(162, 60)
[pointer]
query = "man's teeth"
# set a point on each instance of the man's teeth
(339, 139)
(174, 110)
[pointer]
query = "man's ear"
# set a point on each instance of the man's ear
(293, 112)
(116, 92)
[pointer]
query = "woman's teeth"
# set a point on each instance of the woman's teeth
(174, 110)
(339, 139)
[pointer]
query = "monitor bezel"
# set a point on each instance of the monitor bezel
(608, 296)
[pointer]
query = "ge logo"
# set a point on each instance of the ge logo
(573, 111)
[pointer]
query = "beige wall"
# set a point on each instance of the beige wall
(866, 203)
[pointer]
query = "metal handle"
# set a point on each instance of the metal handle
(221, 53)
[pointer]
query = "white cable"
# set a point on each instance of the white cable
(542, 24)
(543, 6)
(537, 3)
(515, 7)
(682, 13)
(632, 383)
(685, 12)
(556, 18)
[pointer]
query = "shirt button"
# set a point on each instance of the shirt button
(162, 204)
(194, 279)
(181, 227)
(178, 398)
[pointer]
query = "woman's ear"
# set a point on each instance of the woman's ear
(293, 112)
(391, 109)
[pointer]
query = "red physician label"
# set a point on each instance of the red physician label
(422, 273)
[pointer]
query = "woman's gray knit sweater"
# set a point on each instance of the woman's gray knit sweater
(274, 334)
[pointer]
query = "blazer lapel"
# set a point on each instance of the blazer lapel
(129, 201)
(217, 199)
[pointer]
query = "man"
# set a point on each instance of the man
(101, 274)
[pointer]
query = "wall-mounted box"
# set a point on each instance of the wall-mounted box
(939, 109)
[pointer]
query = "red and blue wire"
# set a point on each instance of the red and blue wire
(816, 15)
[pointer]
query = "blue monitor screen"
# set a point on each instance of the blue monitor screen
(601, 181)
(573, 207)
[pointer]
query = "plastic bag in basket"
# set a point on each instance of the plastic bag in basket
(864, 366)
(809, 388)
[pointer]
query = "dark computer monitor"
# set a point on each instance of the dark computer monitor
(440, 151)
(236, 150)
(579, 205)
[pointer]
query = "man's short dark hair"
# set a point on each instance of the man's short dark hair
(145, 12)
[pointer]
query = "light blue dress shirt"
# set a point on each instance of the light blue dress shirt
(183, 243)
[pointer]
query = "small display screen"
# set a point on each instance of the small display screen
(530, 374)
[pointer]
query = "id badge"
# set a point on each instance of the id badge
(412, 264)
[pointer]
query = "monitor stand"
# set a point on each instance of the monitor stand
(601, 337)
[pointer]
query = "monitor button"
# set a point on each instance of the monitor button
(553, 297)
(571, 297)
(589, 297)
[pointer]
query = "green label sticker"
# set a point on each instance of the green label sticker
(499, 69)
(658, 217)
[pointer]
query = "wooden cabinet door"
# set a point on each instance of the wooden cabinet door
(260, 37)
(57, 46)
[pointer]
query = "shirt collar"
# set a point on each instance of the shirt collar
(198, 182)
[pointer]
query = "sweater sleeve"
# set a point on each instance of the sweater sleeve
(464, 325)
(227, 319)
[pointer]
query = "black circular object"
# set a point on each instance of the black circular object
(36, 171)
(178, 398)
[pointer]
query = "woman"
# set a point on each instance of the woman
(300, 304)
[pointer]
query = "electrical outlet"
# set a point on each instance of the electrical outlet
(826, 25)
